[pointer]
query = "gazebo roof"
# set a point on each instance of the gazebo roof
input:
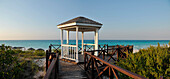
(81, 22)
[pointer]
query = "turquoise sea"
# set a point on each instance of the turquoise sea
(138, 44)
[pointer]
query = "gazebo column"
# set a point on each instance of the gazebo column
(67, 37)
(77, 44)
(82, 44)
(96, 40)
(61, 43)
(68, 42)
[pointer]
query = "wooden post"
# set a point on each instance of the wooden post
(107, 49)
(55, 72)
(96, 40)
(77, 44)
(110, 73)
(117, 74)
(61, 43)
(67, 37)
(82, 44)
(49, 49)
(92, 72)
(103, 53)
(67, 43)
(57, 67)
(47, 60)
(118, 52)
(85, 47)
(85, 55)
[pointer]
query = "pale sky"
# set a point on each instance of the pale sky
(121, 19)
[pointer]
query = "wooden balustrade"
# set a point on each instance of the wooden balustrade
(52, 68)
(52, 62)
(97, 66)
(117, 50)
(89, 47)
(55, 47)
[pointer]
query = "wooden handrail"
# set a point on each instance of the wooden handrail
(53, 69)
(124, 71)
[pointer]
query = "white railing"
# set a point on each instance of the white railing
(66, 45)
(69, 52)
(89, 44)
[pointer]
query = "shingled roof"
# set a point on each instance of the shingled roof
(81, 20)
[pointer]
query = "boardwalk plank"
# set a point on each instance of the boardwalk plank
(71, 71)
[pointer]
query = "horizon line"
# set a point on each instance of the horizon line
(91, 39)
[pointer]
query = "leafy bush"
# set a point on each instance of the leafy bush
(12, 67)
(9, 65)
(39, 53)
(152, 62)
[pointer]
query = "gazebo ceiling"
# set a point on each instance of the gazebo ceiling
(83, 23)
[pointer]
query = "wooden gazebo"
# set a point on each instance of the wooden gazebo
(79, 24)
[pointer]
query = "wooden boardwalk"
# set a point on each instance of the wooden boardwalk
(71, 71)
(101, 66)
(68, 70)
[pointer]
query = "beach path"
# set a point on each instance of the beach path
(71, 71)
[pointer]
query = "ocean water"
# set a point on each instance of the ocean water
(138, 44)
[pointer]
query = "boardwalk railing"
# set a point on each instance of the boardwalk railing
(114, 52)
(120, 50)
(52, 62)
(51, 53)
(97, 66)
(53, 68)
(55, 47)
(89, 47)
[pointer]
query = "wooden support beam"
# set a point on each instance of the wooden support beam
(77, 44)
(96, 40)
(82, 48)
(92, 72)
(47, 60)
(61, 43)
(67, 43)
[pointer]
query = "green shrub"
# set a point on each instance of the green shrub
(152, 62)
(39, 53)
(9, 65)
(12, 67)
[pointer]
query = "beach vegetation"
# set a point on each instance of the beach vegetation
(152, 62)
(39, 53)
(14, 67)
(32, 54)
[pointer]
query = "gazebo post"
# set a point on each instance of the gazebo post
(96, 40)
(67, 37)
(77, 44)
(67, 42)
(61, 43)
(82, 44)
